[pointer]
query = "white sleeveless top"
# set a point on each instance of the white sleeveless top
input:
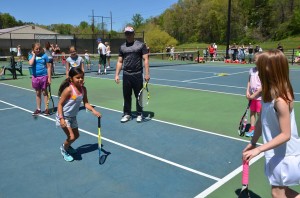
(71, 107)
(270, 129)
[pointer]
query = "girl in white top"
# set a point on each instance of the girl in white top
(74, 61)
(72, 93)
(277, 125)
(108, 55)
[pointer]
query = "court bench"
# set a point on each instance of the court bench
(13, 68)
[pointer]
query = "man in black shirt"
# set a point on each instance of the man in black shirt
(131, 56)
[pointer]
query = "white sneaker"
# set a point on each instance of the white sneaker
(125, 118)
(108, 67)
(139, 118)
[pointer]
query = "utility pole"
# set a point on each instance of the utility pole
(93, 21)
(228, 28)
(102, 23)
(102, 26)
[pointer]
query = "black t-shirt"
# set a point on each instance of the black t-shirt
(132, 54)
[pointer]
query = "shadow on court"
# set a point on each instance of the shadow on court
(147, 115)
(87, 148)
(251, 193)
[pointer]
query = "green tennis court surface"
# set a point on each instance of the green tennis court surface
(188, 148)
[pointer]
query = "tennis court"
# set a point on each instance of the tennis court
(187, 146)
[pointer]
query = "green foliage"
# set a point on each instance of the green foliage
(206, 21)
(137, 20)
(157, 39)
(8, 21)
(294, 26)
(203, 21)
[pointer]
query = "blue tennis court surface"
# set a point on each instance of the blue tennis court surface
(152, 159)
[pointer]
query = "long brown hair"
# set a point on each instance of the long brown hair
(273, 71)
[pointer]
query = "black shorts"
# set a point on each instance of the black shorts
(102, 59)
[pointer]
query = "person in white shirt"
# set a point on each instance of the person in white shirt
(102, 58)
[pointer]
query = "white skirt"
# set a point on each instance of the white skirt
(283, 171)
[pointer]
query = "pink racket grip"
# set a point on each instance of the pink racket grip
(245, 177)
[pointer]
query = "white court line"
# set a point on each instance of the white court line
(165, 122)
(129, 148)
(225, 179)
(7, 108)
(212, 188)
(188, 88)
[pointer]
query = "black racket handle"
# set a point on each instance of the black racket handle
(99, 122)
(249, 103)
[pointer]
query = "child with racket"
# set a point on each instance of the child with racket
(277, 125)
(72, 93)
(41, 76)
(253, 93)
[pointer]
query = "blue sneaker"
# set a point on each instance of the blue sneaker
(65, 154)
(71, 150)
(249, 134)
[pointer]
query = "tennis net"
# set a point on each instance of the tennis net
(155, 60)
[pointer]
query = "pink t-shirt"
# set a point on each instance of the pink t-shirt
(254, 82)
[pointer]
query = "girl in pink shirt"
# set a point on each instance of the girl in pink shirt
(253, 93)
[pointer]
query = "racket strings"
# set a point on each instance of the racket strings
(143, 98)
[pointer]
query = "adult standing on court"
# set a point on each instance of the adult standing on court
(102, 58)
(41, 76)
(131, 56)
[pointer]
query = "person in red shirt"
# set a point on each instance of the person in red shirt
(211, 51)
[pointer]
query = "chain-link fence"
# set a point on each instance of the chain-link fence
(82, 42)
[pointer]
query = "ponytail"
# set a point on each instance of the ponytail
(64, 85)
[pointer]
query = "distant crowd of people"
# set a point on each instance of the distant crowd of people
(183, 56)
(237, 53)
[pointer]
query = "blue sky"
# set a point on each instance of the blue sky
(73, 12)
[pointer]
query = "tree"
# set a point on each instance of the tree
(294, 26)
(8, 21)
(137, 20)
(156, 38)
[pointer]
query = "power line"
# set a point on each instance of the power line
(102, 23)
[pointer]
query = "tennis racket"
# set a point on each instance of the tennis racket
(99, 138)
(244, 121)
(50, 98)
(144, 96)
(245, 181)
